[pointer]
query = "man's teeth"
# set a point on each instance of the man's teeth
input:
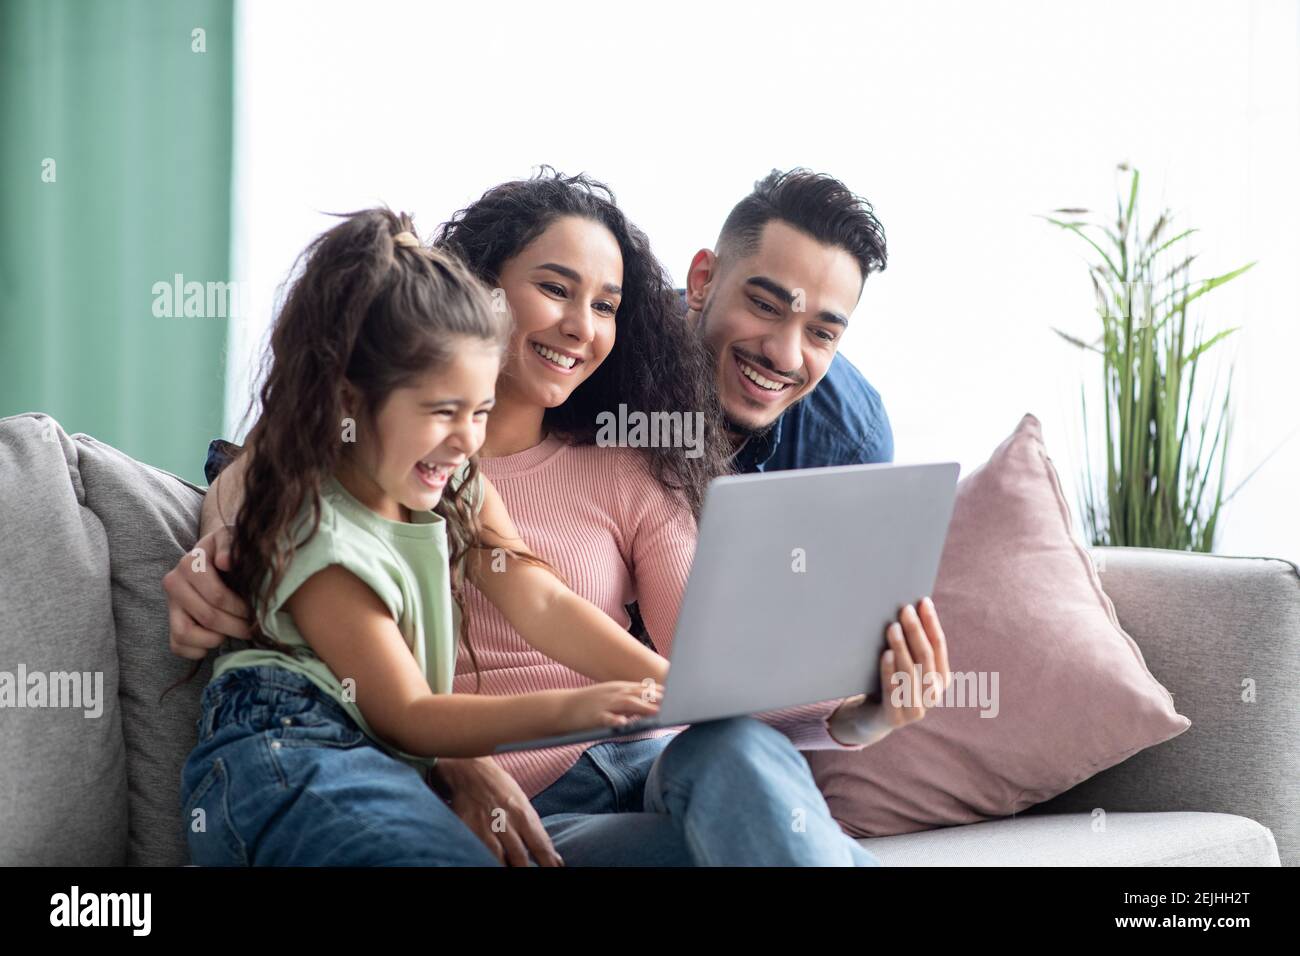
(760, 381)
(564, 361)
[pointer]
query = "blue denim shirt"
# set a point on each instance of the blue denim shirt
(840, 422)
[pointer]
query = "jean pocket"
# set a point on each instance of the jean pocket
(209, 830)
(313, 729)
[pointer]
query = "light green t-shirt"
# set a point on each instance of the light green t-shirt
(404, 564)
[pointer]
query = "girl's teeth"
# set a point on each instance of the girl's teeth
(564, 361)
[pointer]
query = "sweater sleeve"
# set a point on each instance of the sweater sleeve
(659, 534)
(808, 726)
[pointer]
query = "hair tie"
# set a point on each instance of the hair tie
(405, 238)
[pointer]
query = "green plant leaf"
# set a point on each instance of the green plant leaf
(1155, 493)
(1091, 347)
(1201, 348)
(1209, 284)
(1078, 230)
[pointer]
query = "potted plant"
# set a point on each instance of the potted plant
(1163, 488)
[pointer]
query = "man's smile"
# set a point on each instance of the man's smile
(757, 384)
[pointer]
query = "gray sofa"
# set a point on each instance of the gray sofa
(86, 534)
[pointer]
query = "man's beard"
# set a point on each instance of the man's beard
(746, 431)
(741, 430)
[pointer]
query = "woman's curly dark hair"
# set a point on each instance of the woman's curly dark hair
(658, 362)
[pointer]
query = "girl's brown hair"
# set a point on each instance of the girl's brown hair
(374, 308)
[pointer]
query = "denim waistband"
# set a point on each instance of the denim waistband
(245, 693)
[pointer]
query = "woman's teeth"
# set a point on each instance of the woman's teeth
(564, 361)
(760, 381)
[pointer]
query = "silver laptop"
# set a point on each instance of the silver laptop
(795, 578)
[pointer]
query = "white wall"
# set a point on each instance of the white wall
(960, 121)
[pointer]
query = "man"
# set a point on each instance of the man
(772, 303)
(790, 399)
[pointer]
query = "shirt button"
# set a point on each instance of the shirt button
(275, 745)
(287, 721)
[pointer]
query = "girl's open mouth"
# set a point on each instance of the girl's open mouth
(431, 475)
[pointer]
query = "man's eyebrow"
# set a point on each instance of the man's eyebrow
(574, 276)
(785, 295)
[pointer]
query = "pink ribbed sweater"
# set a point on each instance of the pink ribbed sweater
(598, 516)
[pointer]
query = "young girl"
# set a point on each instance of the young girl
(363, 515)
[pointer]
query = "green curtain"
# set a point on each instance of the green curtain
(138, 124)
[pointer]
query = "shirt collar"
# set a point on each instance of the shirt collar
(758, 450)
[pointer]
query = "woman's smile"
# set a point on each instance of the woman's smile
(557, 360)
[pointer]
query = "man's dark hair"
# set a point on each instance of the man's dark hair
(815, 203)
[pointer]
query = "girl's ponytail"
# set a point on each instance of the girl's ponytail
(371, 308)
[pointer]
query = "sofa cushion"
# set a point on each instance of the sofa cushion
(1087, 839)
(63, 790)
(1068, 692)
(1223, 633)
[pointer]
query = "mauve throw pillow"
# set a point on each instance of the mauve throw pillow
(1019, 598)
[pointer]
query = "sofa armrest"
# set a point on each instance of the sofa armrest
(1223, 635)
(63, 773)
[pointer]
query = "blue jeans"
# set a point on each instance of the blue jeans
(724, 793)
(282, 776)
